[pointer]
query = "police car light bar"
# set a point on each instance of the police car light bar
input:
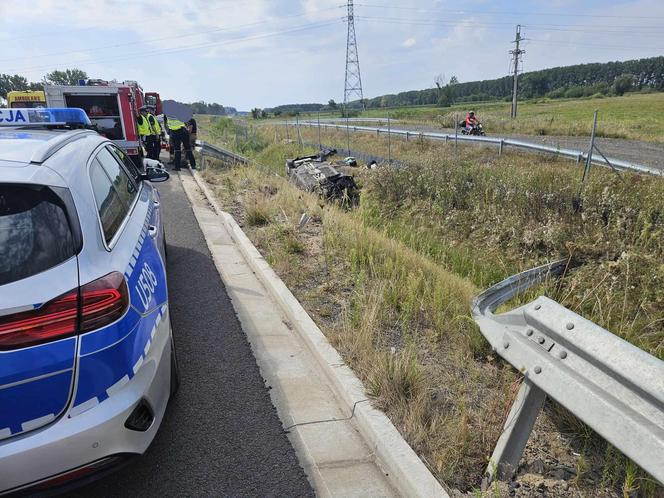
(44, 117)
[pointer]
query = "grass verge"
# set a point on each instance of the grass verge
(390, 286)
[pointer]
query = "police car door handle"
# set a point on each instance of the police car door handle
(156, 203)
(152, 230)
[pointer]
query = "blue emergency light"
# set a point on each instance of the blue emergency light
(44, 117)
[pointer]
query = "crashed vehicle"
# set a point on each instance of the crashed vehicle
(314, 174)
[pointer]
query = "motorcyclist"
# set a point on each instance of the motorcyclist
(471, 121)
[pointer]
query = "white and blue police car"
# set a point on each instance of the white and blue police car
(87, 362)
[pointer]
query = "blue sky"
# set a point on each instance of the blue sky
(261, 53)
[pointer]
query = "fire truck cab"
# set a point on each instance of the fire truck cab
(111, 106)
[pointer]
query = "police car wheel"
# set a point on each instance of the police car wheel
(175, 371)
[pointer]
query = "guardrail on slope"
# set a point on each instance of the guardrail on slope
(207, 149)
(611, 385)
(500, 142)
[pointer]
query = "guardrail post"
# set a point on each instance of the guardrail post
(377, 131)
(500, 147)
(407, 135)
(520, 421)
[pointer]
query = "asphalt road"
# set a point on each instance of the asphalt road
(221, 435)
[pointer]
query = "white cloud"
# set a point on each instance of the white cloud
(410, 42)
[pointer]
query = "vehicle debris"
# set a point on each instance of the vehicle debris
(313, 174)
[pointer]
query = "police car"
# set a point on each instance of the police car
(87, 362)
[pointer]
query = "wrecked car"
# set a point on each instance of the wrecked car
(313, 174)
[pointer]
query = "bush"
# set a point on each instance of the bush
(559, 93)
(574, 92)
(623, 83)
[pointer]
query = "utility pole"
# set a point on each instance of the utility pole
(353, 84)
(516, 58)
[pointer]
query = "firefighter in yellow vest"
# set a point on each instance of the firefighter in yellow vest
(179, 139)
(149, 133)
(157, 131)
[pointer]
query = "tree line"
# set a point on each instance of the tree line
(16, 82)
(581, 80)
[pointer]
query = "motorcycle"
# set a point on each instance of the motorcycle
(474, 130)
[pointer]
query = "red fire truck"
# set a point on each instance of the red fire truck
(111, 106)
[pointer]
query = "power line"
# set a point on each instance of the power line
(504, 12)
(599, 45)
(538, 26)
(140, 42)
(192, 47)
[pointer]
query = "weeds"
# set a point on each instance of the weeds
(403, 267)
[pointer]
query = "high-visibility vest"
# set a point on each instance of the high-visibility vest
(174, 124)
(144, 128)
(154, 124)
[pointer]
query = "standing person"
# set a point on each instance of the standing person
(144, 129)
(180, 136)
(157, 133)
(148, 132)
(192, 127)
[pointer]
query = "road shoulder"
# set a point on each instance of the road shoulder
(346, 447)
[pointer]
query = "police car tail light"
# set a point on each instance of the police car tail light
(103, 301)
(54, 320)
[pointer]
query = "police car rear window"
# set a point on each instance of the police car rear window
(34, 232)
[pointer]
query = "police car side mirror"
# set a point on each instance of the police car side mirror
(155, 175)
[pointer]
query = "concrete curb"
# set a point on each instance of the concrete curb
(405, 470)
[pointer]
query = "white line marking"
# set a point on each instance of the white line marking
(5, 433)
(137, 251)
(37, 422)
(158, 319)
(117, 386)
(147, 347)
(138, 364)
(132, 262)
(84, 407)
(154, 331)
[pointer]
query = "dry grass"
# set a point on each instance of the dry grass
(390, 283)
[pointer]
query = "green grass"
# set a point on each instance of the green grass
(633, 116)
(429, 236)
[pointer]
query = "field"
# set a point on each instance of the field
(390, 284)
(632, 116)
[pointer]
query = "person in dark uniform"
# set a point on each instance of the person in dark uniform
(149, 131)
(192, 128)
(180, 138)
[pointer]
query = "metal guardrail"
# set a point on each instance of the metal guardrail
(207, 149)
(500, 142)
(611, 385)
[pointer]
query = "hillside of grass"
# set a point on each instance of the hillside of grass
(390, 285)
